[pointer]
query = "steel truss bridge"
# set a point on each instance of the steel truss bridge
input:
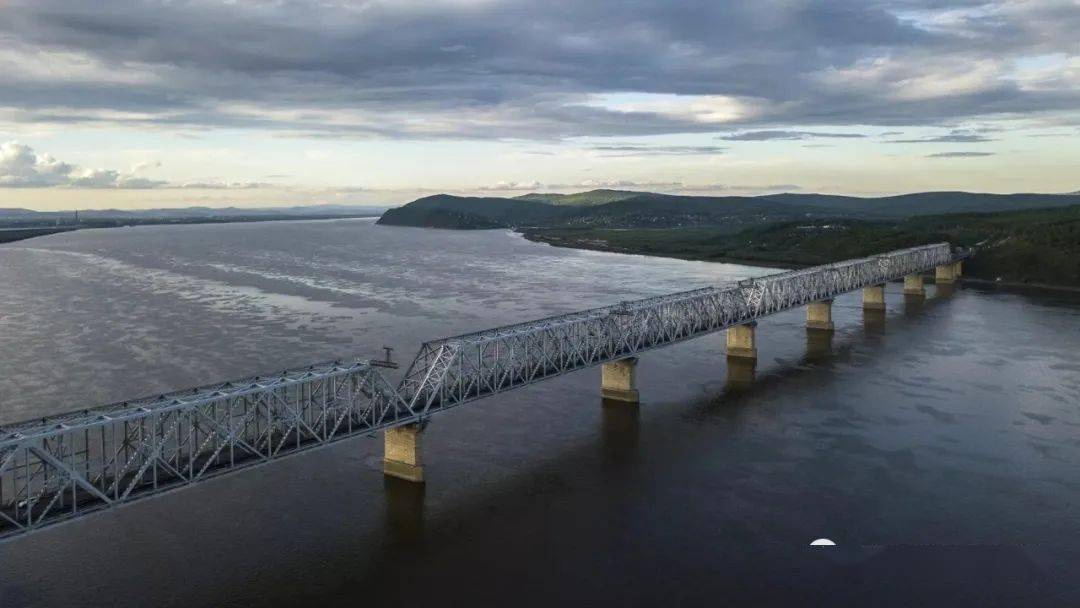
(62, 467)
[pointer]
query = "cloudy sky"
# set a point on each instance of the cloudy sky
(122, 103)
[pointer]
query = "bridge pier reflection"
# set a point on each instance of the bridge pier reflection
(913, 304)
(945, 290)
(818, 344)
(874, 321)
(741, 373)
(404, 510)
(620, 431)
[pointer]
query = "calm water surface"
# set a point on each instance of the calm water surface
(937, 444)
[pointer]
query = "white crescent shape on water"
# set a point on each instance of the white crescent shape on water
(822, 542)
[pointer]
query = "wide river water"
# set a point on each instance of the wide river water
(936, 444)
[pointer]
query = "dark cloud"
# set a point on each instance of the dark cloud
(785, 135)
(959, 154)
(636, 150)
(527, 70)
(955, 137)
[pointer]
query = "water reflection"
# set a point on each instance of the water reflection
(818, 344)
(873, 322)
(620, 432)
(404, 511)
(913, 305)
(740, 375)
(944, 290)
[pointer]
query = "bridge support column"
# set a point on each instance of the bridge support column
(741, 342)
(618, 380)
(913, 285)
(958, 268)
(873, 298)
(944, 275)
(401, 455)
(819, 315)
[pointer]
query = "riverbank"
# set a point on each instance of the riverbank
(10, 235)
(1025, 248)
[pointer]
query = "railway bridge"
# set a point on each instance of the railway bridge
(62, 467)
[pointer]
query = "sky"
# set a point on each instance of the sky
(137, 104)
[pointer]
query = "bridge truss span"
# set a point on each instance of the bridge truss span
(456, 370)
(58, 468)
(62, 467)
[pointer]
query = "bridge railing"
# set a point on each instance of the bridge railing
(62, 467)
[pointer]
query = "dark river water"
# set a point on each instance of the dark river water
(937, 444)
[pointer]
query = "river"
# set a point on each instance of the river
(936, 445)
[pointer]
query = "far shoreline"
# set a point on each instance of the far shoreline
(18, 233)
(782, 265)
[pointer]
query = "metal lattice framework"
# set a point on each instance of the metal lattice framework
(58, 468)
(456, 370)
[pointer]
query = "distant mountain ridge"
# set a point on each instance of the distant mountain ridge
(628, 209)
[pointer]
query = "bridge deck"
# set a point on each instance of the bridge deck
(58, 468)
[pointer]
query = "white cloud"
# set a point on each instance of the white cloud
(509, 186)
(23, 167)
(20, 166)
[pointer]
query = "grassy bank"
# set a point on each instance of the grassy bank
(1033, 246)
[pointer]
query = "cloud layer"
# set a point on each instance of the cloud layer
(534, 70)
(23, 167)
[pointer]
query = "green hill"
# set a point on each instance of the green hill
(1040, 246)
(925, 203)
(625, 209)
(669, 211)
(468, 212)
(631, 211)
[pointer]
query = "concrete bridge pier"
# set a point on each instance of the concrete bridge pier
(958, 268)
(913, 286)
(873, 298)
(819, 315)
(401, 453)
(945, 275)
(618, 380)
(741, 342)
